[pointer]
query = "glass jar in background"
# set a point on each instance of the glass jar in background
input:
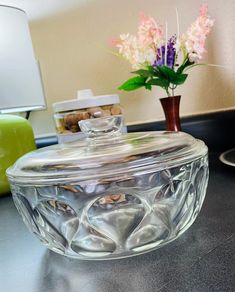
(67, 114)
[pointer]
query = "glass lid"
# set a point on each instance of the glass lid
(106, 152)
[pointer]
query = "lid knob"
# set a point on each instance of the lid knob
(85, 93)
(100, 127)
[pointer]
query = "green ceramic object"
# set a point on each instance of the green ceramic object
(16, 139)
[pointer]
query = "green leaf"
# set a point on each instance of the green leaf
(186, 64)
(133, 83)
(159, 82)
(156, 73)
(166, 73)
(179, 79)
(148, 86)
(150, 68)
(173, 77)
(143, 73)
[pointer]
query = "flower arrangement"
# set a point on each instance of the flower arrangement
(161, 61)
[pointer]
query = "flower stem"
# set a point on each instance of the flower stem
(166, 36)
(173, 87)
(167, 91)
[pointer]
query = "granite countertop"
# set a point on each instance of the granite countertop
(202, 259)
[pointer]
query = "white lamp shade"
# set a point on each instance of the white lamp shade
(21, 87)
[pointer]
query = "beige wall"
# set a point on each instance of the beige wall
(71, 49)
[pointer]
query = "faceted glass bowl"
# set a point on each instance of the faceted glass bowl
(106, 210)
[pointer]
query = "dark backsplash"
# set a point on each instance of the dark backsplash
(215, 129)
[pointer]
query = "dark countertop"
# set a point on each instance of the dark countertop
(202, 259)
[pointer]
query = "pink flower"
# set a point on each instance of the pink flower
(113, 42)
(149, 32)
(195, 38)
(204, 10)
(141, 50)
(132, 50)
(128, 47)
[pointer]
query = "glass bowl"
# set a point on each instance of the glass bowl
(111, 195)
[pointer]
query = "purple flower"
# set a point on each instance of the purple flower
(160, 57)
(170, 58)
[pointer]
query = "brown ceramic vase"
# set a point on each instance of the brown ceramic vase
(171, 107)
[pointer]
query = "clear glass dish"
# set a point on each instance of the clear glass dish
(111, 195)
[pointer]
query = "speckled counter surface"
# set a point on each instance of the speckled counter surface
(202, 259)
